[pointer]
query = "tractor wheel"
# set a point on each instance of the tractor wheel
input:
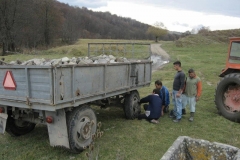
(82, 125)
(131, 106)
(227, 97)
(18, 127)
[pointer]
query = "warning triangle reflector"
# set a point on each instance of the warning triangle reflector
(9, 82)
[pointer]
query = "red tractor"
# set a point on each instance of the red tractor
(227, 96)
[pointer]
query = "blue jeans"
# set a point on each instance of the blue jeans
(177, 101)
(191, 101)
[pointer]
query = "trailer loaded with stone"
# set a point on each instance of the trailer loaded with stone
(59, 93)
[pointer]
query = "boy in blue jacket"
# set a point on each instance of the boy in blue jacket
(153, 109)
(164, 95)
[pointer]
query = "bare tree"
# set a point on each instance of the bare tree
(157, 30)
(50, 19)
(204, 30)
(8, 9)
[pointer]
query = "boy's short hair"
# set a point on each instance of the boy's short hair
(156, 91)
(191, 70)
(158, 82)
(177, 63)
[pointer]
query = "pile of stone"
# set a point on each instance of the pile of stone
(102, 59)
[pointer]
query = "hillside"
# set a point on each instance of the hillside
(208, 37)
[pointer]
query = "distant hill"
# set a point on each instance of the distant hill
(208, 37)
(105, 25)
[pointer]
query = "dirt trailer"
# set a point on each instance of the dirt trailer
(227, 96)
(61, 96)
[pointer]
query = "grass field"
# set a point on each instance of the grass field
(134, 139)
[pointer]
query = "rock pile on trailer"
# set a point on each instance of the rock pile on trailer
(102, 59)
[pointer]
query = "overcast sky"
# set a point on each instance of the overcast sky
(176, 15)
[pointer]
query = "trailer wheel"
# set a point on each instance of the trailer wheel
(131, 106)
(18, 127)
(82, 124)
(227, 97)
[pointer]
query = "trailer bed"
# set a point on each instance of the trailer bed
(51, 88)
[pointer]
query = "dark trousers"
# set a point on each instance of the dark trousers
(143, 116)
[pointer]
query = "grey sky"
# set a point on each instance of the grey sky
(177, 15)
(222, 7)
(85, 3)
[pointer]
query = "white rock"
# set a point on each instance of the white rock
(13, 62)
(65, 59)
(112, 61)
(47, 64)
(55, 62)
(102, 61)
(112, 57)
(71, 63)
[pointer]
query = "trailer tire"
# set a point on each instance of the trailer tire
(18, 127)
(222, 91)
(82, 125)
(131, 106)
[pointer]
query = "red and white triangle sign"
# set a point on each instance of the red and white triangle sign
(9, 82)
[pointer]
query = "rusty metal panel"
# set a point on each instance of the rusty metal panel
(63, 83)
(80, 82)
(87, 80)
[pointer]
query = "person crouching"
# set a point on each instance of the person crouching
(153, 109)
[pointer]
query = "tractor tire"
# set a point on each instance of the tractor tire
(82, 125)
(18, 127)
(131, 106)
(227, 97)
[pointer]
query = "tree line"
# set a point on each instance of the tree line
(40, 23)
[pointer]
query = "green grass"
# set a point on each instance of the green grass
(134, 139)
(79, 49)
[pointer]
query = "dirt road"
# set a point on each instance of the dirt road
(157, 50)
(159, 57)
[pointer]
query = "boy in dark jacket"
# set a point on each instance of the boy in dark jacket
(153, 109)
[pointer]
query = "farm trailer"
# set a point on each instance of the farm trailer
(61, 96)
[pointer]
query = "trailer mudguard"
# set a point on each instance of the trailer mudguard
(57, 130)
(3, 122)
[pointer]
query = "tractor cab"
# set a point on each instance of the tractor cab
(233, 59)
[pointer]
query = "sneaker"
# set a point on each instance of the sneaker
(172, 116)
(191, 119)
(154, 121)
(183, 111)
(166, 109)
(176, 120)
